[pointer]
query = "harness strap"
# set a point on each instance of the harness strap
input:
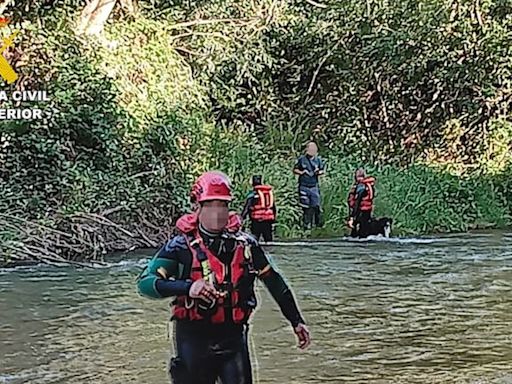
(195, 243)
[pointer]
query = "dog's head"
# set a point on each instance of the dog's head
(387, 224)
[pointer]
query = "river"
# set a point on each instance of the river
(426, 310)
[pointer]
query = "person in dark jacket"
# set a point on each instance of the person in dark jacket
(310, 167)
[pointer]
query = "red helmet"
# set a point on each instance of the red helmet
(212, 185)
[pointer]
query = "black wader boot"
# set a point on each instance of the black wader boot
(308, 217)
(319, 222)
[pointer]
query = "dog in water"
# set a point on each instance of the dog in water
(375, 227)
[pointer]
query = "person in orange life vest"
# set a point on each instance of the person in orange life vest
(360, 203)
(210, 269)
(261, 208)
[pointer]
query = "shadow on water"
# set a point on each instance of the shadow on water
(400, 311)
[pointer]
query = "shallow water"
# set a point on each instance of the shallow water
(429, 310)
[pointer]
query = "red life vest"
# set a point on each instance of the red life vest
(367, 200)
(262, 210)
(205, 265)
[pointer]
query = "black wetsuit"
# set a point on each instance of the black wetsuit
(205, 351)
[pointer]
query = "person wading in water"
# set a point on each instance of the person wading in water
(210, 269)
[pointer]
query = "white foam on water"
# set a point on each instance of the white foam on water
(290, 243)
(126, 263)
(397, 240)
(347, 239)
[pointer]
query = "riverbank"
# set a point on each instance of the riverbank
(421, 201)
(136, 256)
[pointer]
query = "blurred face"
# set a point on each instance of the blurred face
(312, 149)
(213, 215)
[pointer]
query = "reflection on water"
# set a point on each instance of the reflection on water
(399, 311)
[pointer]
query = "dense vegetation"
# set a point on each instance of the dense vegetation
(417, 91)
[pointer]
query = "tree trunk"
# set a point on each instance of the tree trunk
(130, 6)
(94, 16)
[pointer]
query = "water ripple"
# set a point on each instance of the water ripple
(426, 310)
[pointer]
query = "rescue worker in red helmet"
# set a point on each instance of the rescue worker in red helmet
(210, 269)
(360, 203)
(261, 208)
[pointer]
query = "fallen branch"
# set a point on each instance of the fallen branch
(148, 241)
(140, 174)
(104, 221)
(316, 4)
(82, 236)
(107, 212)
(25, 250)
(148, 223)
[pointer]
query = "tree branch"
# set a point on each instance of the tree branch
(316, 4)
(322, 61)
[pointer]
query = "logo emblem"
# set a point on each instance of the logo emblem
(6, 71)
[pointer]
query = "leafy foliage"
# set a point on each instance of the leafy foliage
(181, 87)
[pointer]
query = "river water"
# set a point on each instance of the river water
(398, 311)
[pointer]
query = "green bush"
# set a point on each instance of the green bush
(176, 89)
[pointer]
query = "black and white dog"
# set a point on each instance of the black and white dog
(375, 227)
(381, 226)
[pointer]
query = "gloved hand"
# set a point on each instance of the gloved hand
(303, 335)
(202, 289)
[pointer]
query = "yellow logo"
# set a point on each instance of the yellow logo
(6, 71)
